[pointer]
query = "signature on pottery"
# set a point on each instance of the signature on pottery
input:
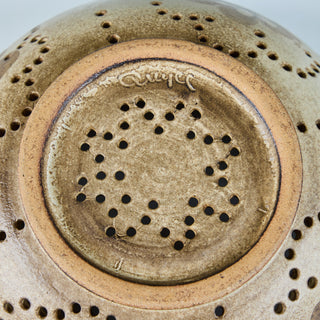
(134, 78)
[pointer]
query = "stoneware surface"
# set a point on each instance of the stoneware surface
(159, 160)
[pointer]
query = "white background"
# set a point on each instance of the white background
(301, 17)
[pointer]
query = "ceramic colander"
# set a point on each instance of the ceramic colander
(159, 160)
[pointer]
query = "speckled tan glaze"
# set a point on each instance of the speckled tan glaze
(40, 266)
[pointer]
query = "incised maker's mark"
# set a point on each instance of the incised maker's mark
(134, 78)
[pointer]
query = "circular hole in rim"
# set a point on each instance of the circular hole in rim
(196, 114)
(252, 54)
(8, 307)
(189, 221)
(85, 147)
(301, 74)
(113, 213)
(219, 311)
(234, 53)
(149, 115)
(29, 82)
(222, 165)
(25, 304)
(43, 40)
(123, 145)
(76, 307)
(193, 17)
(312, 282)
(140, 103)
(91, 134)
(296, 235)
(234, 152)
(82, 181)
(108, 136)
(209, 211)
(234, 200)
(106, 24)
(208, 139)
(94, 311)
(302, 127)
(15, 126)
(119, 175)
(193, 202)
(209, 19)
(287, 67)
(199, 27)
(125, 107)
(101, 175)
(42, 312)
(114, 39)
(191, 135)
(169, 116)
(153, 205)
(273, 56)
(158, 130)
(260, 34)
(162, 12)
(27, 69)
(218, 47)
(3, 236)
(101, 13)
(2, 132)
(165, 233)
(279, 308)
(177, 17)
(209, 171)
(110, 232)
(81, 197)
(99, 158)
(100, 198)
(131, 232)
(203, 39)
(60, 314)
(226, 139)
(19, 224)
(124, 125)
(312, 74)
(308, 54)
(38, 61)
(294, 274)
(224, 217)
(35, 39)
(178, 245)
(222, 182)
(33, 96)
(15, 79)
(293, 295)
(190, 234)
(308, 222)
(126, 199)
(289, 254)
(180, 106)
(262, 45)
(145, 220)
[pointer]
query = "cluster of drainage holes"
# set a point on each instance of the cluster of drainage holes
(42, 312)
(112, 38)
(165, 232)
(120, 175)
(285, 66)
(294, 273)
(193, 17)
